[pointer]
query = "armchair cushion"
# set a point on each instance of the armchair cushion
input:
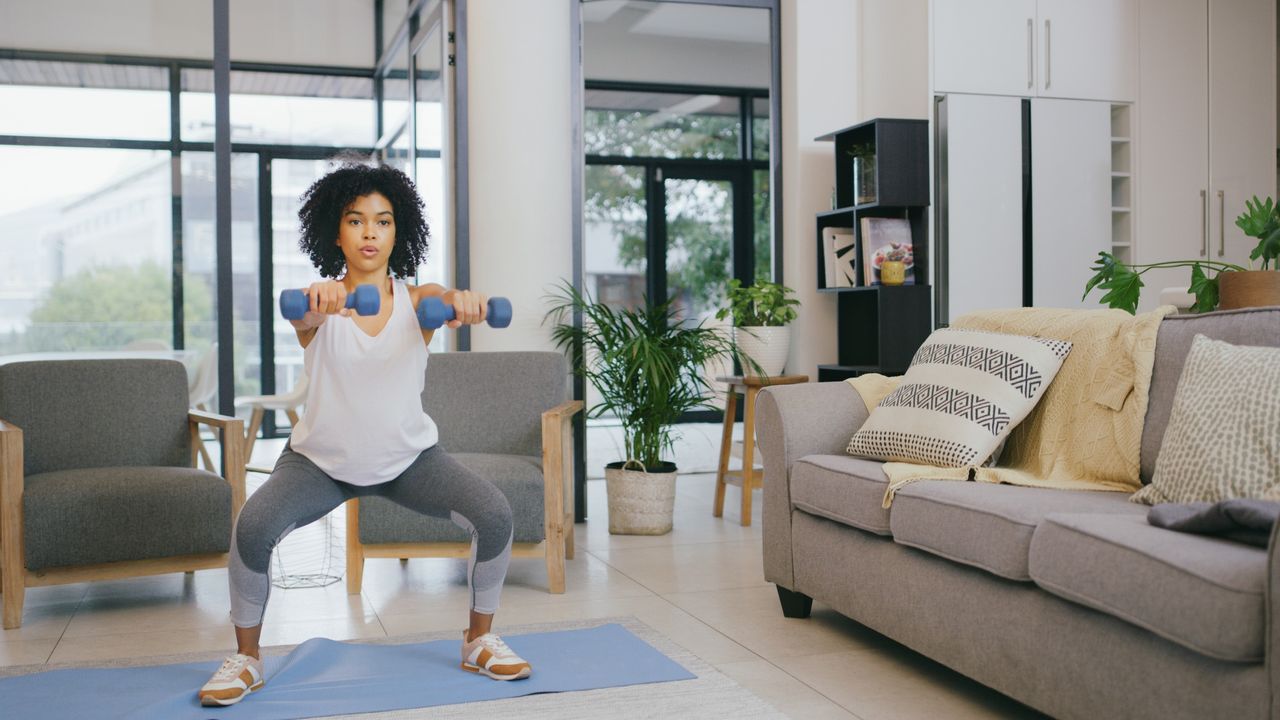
(492, 402)
(97, 413)
(518, 477)
(96, 515)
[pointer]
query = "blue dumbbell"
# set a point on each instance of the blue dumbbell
(432, 313)
(365, 300)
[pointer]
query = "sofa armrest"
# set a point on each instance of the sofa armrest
(232, 443)
(13, 565)
(793, 421)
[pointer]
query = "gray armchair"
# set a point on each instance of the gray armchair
(506, 416)
(98, 478)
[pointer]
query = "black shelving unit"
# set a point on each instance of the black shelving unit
(880, 328)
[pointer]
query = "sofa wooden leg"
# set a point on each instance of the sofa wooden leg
(794, 604)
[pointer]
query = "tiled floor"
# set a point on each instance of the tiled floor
(702, 585)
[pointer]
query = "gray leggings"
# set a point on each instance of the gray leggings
(298, 493)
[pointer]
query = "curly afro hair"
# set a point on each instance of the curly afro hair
(324, 202)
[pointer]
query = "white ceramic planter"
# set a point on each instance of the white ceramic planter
(768, 346)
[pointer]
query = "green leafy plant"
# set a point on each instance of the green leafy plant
(646, 365)
(1123, 281)
(764, 303)
(862, 150)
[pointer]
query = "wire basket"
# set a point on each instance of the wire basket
(311, 556)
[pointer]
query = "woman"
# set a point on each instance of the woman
(364, 431)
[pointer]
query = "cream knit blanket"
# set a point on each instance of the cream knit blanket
(1086, 432)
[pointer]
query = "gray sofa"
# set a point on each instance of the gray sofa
(1067, 601)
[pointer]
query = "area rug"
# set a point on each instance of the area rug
(654, 676)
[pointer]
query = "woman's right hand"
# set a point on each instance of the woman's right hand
(327, 297)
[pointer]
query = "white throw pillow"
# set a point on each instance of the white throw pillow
(1223, 438)
(963, 394)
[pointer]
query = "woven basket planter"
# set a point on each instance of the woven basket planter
(642, 501)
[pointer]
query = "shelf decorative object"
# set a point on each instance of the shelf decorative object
(864, 173)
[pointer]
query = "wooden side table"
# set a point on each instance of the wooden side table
(747, 478)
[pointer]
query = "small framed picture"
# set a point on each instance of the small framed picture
(886, 239)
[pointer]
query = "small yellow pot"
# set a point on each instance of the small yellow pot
(893, 272)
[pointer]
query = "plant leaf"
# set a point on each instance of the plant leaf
(1104, 268)
(1123, 288)
(1204, 288)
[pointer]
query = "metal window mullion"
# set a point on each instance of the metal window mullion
(222, 201)
(177, 286)
(266, 281)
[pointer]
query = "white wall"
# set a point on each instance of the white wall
(819, 76)
(893, 59)
(309, 32)
(520, 161)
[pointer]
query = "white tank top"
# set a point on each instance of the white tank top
(364, 422)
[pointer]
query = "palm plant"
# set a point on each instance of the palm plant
(646, 365)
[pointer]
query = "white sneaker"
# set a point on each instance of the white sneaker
(488, 655)
(238, 676)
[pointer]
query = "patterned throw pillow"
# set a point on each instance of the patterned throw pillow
(1223, 439)
(963, 394)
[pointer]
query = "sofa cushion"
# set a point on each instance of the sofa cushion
(963, 394)
(99, 515)
(846, 489)
(518, 477)
(1203, 593)
(1254, 326)
(986, 525)
(1223, 437)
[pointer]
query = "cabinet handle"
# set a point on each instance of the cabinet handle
(1048, 54)
(1222, 223)
(1031, 53)
(1204, 223)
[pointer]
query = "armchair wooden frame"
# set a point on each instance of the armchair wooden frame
(15, 578)
(557, 474)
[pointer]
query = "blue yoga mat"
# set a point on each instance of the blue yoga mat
(324, 677)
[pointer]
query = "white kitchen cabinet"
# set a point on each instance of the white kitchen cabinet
(1087, 49)
(984, 47)
(1173, 147)
(1079, 49)
(982, 236)
(1242, 118)
(1070, 197)
(1206, 130)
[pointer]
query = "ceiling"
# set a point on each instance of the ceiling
(680, 20)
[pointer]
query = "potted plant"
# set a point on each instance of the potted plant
(1215, 284)
(647, 367)
(761, 330)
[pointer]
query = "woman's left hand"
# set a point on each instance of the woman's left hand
(469, 307)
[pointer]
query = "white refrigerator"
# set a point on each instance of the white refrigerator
(1022, 200)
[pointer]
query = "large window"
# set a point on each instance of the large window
(107, 187)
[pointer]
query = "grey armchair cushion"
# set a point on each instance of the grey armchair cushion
(1254, 326)
(98, 515)
(518, 477)
(492, 402)
(97, 413)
